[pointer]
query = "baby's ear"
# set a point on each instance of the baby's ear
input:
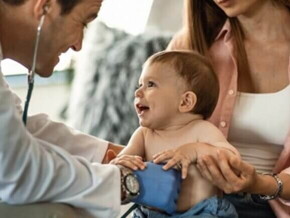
(188, 101)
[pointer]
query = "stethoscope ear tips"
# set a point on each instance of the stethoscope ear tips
(45, 8)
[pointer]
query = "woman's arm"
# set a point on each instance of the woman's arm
(231, 174)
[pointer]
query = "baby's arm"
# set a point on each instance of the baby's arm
(210, 134)
(132, 155)
(209, 138)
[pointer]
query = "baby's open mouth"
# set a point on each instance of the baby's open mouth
(141, 108)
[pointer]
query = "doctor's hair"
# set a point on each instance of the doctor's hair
(197, 72)
(66, 5)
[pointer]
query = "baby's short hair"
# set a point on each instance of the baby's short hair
(197, 71)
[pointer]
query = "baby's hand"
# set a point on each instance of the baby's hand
(133, 162)
(180, 157)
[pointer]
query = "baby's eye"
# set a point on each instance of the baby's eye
(151, 84)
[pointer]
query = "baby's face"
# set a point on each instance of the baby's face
(158, 97)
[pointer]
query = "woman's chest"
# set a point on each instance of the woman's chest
(269, 68)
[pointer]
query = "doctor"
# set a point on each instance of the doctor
(46, 161)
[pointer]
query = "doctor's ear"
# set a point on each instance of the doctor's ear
(41, 8)
(188, 101)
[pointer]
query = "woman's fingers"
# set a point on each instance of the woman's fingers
(203, 170)
(241, 167)
(226, 169)
(228, 172)
(238, 173)
(212, 172)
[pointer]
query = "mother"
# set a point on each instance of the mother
(248, 43)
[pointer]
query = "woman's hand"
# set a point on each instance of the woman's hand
(228, 172)
(180, 157)
(133, 162)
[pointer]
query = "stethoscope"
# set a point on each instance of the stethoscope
(31, 73)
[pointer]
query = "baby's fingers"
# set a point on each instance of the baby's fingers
(138, 161)
(171, 163)
(163, 156)
(130, 161)
(184, 169)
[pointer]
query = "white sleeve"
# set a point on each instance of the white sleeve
(73, 141)
(32, 169)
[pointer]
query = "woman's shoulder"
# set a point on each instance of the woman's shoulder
(179, 41)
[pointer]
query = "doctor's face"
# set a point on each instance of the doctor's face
(234, 8)
(62, 32)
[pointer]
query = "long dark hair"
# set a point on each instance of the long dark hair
(204, 20)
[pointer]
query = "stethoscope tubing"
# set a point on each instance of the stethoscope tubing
(30, 76)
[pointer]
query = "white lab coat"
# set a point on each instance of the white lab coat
(48, 161)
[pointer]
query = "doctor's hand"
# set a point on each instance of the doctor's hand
(133, 162)
(180, 157)
(228, 172)
(112, 152)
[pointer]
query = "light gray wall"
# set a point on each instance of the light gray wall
(49, 99)
(165, 16)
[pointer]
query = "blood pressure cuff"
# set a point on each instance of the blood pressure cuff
(158, 188)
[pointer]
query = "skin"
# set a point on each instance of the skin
(265, 35)
(156, 91)
(170, 132)
(59, 33)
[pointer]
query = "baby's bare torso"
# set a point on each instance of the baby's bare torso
(194, 188)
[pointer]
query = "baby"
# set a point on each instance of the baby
(177, 92)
